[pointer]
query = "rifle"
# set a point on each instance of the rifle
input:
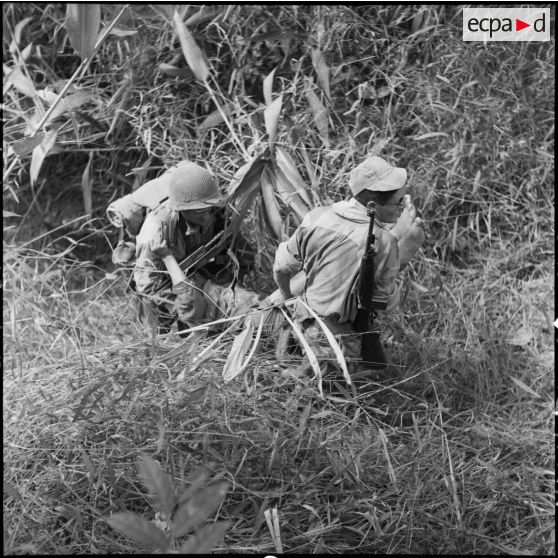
(372, 352)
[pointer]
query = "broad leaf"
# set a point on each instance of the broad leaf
(21, 82)
(159, 485)
(39, 154)
(271, 117)
(206, 539)
(170, 70)
(331, 340)
(119, 32)
(240, 346)
(197, 509)
(216, 117)
(71, 103)
(268, 87)
(87, 187)
(192, 53)
(138, 529)
(18, 29)
(319, 113)
(82, 23)
(322, 70)
(286, 164)
(25, 146)
(308, 350)
(246, 177)
(270, 205)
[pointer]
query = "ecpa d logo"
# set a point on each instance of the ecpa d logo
(506, 24)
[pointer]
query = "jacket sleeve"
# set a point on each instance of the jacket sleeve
(148, 266)
(287, 258)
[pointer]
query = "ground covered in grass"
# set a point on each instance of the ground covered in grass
(455, 454)
(452, 454)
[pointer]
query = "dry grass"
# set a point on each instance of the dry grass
(452, 455)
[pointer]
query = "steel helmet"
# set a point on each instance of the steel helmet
(192, 187)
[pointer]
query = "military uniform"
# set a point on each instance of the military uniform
(328, 247)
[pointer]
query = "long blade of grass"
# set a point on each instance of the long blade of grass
(241, 343)
(319, 112)
(192, 52)
(87, 187)
(82, 23)
(286, 164)
(271, 117)
(268, 87)
(322, 70)
(308, 350)
(332, 341)
(39, 154)
(270, 206)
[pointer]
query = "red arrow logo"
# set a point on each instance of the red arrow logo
(519, 25)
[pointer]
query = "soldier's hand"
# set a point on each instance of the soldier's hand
(274, 298)
(181, 288)
(159, 247)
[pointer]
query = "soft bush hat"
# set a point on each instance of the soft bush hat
(377, 175)
(192, 187)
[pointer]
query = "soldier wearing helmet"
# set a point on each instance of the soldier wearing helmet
(188, 219)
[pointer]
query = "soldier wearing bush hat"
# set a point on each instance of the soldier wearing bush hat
(327, 249)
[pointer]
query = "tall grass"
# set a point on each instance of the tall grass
(453, 454)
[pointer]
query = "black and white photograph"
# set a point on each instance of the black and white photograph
(278, 278)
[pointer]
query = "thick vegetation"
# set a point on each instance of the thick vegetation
(453, 455)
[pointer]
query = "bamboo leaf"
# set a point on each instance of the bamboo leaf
(70, 103)
(198, 508)
(21, 82)
(158, 484)
(119, 32)
(192, 52)
(322, 70)
(206, 539)
(332, 341)
(246, 177)
(319, 113)
(39, 154)
(138, 529)
(241, 343)
(216, 117)
(308, 350)
(174, 71)
(18, 29)
(270, 206)
(524, 387)
(6, 214)
(271, 117)
(286, 164)
(268, 87)
(82, 23)
(26, 145)
(87, 187)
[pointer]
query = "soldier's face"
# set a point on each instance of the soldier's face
(197, 216)
(390, 211)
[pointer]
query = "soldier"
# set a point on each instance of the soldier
(328, 246)
(190, 216)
